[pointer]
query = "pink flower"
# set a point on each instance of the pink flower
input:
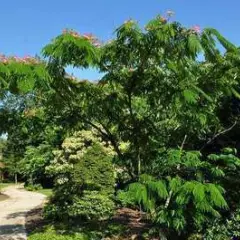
(17, 59)
(88, 36)
(97, 44)
(75, 34)
(3, 59)
(27, 57)
(170, 13)
(196, 29)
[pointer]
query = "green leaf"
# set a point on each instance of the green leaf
(194, 44)
(190, 96)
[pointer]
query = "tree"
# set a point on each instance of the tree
(158, 100)
(32, 166)
(154, 91)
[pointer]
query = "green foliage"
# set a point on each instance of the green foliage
(51, 234)
(34, 187)
(126, 199)
(92, 173)
(147, 191)
(46, 191)
(225, 229)
(72, 49)
(155, 95)
(191, 199)
(32, 166)
(92, 206)
(22, 75)
(196, 237)
(84, 179)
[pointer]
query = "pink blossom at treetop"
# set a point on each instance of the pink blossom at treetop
(71, 32)
(88, 36)
(97, 44)
(25, 59)
(196, 29)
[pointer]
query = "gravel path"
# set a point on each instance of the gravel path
(14, 209)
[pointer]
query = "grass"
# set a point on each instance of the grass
(64, 232)
(51, 234)
(45, 191)
(38, 188)
(3, 185)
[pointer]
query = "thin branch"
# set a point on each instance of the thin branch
(183, 142)
(112, 139)
(178, 167)
(218, 134)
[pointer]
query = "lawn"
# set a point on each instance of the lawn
(3, 185)
(46, 191)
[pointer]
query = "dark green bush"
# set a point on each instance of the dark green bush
(125, 199)
(33, 187)
(92, 206)
(225, 230)
(95, 170)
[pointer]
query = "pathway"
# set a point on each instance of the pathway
(14, 209)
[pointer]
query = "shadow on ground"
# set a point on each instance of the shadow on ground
(126, 224)
(16, 215)
(10, 229)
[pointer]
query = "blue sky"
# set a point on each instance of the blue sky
(27, 25)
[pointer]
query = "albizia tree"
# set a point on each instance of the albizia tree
(156, 103)
(155, 91)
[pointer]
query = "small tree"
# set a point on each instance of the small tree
(32, 166)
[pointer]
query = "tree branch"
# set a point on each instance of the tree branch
(178, 167)
(218, 134)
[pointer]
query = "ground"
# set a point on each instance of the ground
(14, 209)
(127, 224)
(22, 212)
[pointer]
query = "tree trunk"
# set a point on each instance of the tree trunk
(16, 178)
(139, 164)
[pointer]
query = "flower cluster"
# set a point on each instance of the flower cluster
(129, 21)
(196, 29)
(166, 18)
(170, 13)
(88, 36)
(71, 32)
(163, 19)
(25, 59)
(3, 59)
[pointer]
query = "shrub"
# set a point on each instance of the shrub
(84, 179)
(51, 234)
(92, 206)
(225, 230)
(33, 187)
(125, 199)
